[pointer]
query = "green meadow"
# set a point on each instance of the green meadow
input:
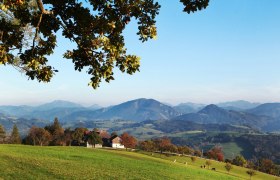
(34, 162)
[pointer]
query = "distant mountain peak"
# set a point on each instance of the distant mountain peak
(59, 104)
(138, 109)
(211, 108)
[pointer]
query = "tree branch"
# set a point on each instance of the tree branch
(36, 33)
(41, 7)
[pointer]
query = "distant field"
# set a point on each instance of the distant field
(233, 149)
(29, 162)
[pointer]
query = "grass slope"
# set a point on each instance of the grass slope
(238, 172)
(29, 162)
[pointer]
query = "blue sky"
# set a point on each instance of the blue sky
(229, 51)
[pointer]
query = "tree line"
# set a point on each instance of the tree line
(55, 135)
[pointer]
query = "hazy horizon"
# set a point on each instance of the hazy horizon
(107, 105)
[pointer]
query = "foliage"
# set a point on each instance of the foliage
(39, 136)
(239, 160)
(251, 173)
(15, 137)
(2, 134)
(162, 144)
(53, 127)
(147, 145)
(185, 150)
(267, 166)
(228, 167)
(194, 5)
(197, 153)
(128, 141)
(58, 137)
(79, 134)
(57, 133)
(94, 138)
(68, 136)
(216, 153)
(29, 29)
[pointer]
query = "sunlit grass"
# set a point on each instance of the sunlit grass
(29, 162)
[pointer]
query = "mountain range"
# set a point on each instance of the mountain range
(242, 113)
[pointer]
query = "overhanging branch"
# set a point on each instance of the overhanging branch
(41, 7)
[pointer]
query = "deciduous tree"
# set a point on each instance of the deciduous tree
(228, 167)
(267, 166)
(216, 153)
(79, 134)
(94, 138)
(29, 29)
(185, 150)
(239, 160)
(39, 136)
(251, 172)
(147, 145)
(162, 144)
(128, 141)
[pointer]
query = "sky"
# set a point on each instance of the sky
(228, 52)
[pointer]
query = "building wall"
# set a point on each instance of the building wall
(117, 145)
(96, 145)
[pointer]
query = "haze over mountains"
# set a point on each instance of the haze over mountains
(259, 116)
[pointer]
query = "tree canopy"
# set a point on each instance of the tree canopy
(29, 30)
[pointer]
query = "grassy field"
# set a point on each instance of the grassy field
(28, 162)
(238, 172)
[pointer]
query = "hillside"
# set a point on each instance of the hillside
(138, 110)
(23, 124)
(267, 109)
(29, 162)
(213, 114)
(47, 111)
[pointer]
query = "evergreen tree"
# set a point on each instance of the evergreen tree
(15, 137)
(2, 134)
(57, 133)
